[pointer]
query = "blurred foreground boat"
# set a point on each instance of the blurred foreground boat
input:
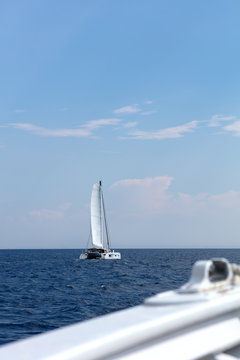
(201, 320)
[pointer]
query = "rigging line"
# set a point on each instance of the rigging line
(89, 236)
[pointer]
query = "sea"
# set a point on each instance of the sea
(41, 290)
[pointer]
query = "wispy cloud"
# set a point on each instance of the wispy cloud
(234, 127)
(85, 130)
(41, 131)
(65, 206)
(148, 112)
(219, 120)
(168, 133)
(96, 124)
(216, 120)
(130, 124)
(130, 109)
(19, 111)
(162, 182)
(133, 109)
(48, 214)
(51, 214)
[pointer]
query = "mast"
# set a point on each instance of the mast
(89, 237)
(100, 193)
(105, 219)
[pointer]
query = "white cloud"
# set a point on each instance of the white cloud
(41, 131)
(84, 131)
(186, 203)
(130, 109)
(48, 214)
(234, 127)
(51, 214)
(162, 182)
(148, 112)
(130, 124)
(144, 195)
(19, 111)
(152, 196)
(168, 133)
(157, 217)
(65, 206)
(217, 119)
(226, 200)
(133, 109)
(96, 124)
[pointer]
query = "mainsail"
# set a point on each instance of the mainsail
(96, 216)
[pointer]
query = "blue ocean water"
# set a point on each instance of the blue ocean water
(46, 289)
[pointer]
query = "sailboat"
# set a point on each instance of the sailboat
(98, 225)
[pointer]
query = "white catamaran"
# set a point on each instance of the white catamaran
(98, 224)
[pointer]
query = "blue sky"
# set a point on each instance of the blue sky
(143, 95)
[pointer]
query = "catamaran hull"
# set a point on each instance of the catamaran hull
(111, 255)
